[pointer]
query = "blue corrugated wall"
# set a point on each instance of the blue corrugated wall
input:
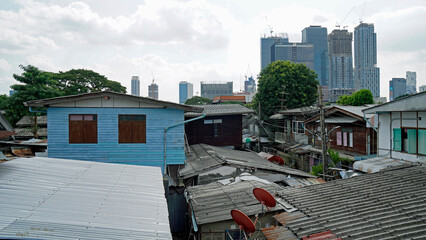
(107, 149)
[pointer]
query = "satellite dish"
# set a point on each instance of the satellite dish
(264, 197)
(243, 221)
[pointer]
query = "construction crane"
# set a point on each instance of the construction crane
(362, 13)
(271, 31)
(341, 22)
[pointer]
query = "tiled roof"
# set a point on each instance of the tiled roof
(48, 198)
(386, 205)
(26, 121)
(27, 132)
(203, 158)
(220, 109)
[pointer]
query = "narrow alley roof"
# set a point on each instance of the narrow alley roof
(220, 109)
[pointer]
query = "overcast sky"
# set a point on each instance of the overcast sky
(199, 40)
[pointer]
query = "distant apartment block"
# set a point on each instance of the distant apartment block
(397, 87)
(266, 48)
(411, 82)
(340, 59)
(422, 88)
(213, 89)
(153, 91)
(367, 74)
(186, 91)
(317, 35)
(135, 86)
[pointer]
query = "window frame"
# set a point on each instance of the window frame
(84, 128)
(405, 136)
(133, 124)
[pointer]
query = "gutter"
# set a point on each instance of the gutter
(36, 111)
(165, 136)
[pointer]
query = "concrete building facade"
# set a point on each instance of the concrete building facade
(367, 74)
(213, 89)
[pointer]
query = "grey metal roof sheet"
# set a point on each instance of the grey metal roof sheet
(27, 132)
(68, 199)
(390, 204)
(413, 102)
(205, 157)
(213, 202)
(220, 109)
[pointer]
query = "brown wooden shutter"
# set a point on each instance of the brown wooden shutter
(76, 131)
(90, 132)
(139, 132)
(125, 132)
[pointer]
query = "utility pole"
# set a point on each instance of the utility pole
(258, 130)
(323, 134)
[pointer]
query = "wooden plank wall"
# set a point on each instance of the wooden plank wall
(107, 149)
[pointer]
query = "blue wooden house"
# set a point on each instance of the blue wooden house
(115, 128)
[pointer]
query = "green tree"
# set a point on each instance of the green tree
(197, 100)
(78, 81)
(293, 82)
(34, 84)
(359, 98)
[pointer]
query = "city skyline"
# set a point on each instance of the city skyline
(122, 40)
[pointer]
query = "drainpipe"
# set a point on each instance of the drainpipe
(165, 136)
(35, 120)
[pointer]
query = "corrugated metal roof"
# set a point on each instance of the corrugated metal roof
(390, 204)
(377, 164)
(278, 233)
(51, 198)
(327, 235)
(220, 109)
(27, 132)
(213, 202)
(204, 157)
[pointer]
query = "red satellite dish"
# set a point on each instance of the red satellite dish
(276, 159)
(264, 197)
(243, 221)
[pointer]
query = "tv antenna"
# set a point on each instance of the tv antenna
(243, 221)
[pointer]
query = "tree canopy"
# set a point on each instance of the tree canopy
(37, 84)
(287, 84)
(197, 100)
(359, 98)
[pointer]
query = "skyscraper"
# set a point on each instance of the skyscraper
(185, 91)
(367, 74)
(397, 87)
(135, 86)
(340, 59)
(266, 44)
(411, 82)
(317, 35)
(153, 90)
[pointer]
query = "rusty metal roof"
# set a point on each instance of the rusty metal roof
(278, 233)
(327, 235)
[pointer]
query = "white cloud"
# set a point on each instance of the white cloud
(41, 61)
(4, 65)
